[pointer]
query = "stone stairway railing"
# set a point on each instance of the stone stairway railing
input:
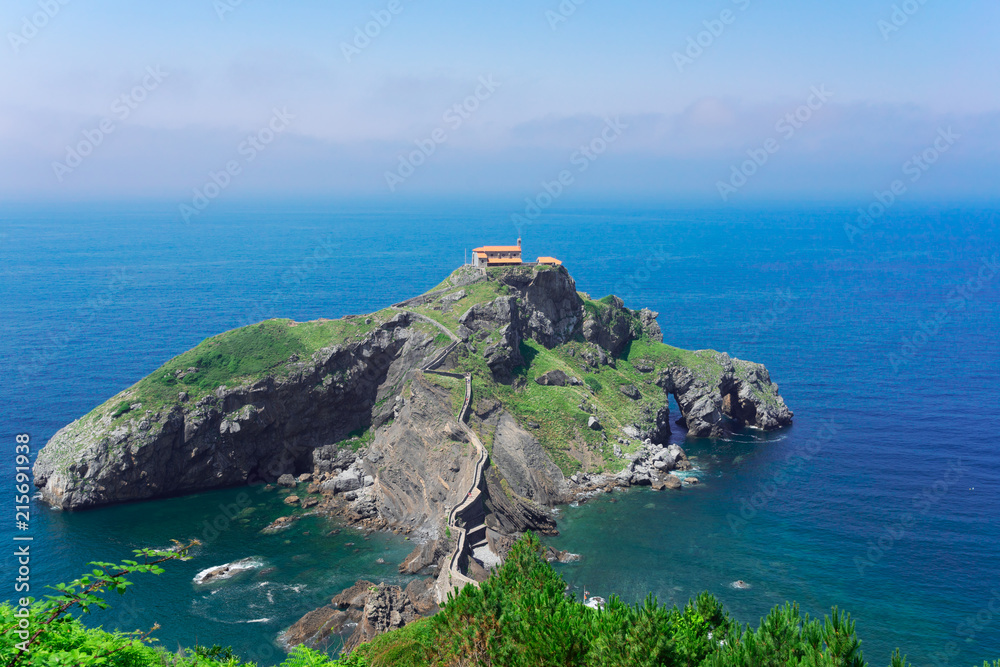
(430, 320)
(439, 358)
(420, 300)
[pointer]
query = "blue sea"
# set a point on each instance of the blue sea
(883, 499)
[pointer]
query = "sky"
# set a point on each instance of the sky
(726, 101)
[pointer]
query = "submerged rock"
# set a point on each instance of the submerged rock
(227, 571)
(554, 555)
(279, 524)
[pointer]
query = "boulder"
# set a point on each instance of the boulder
(554, 555)
(227, 571)
(361, 509)
(594, 423)
(554, 378)
(666, 482)
(631, 391)
(279, 524)
(348, 480)
(644, 366)
(286, 480)
(313, 628)
(449, 299)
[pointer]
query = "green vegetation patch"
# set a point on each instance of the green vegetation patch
(240, 356)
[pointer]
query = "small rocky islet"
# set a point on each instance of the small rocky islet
(459, 417)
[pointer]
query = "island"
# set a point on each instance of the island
(458, 417)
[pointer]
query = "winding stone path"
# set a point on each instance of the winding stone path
(456, 579)
(430, 320)
(453, 579)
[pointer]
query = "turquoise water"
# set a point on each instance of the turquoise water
(97, 296)
(294, 571)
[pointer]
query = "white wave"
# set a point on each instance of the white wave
(220, 572)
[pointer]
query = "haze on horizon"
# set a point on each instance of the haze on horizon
(168, 94)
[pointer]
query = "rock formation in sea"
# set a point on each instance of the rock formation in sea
(459, 417)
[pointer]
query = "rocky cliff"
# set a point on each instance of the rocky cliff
(137, 446)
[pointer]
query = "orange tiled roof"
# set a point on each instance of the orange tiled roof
(549, 260)
(498, 248)
(481, 255)
(505, 260)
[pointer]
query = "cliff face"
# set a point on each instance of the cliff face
(422, 462)
(350, 405)
(233, 435)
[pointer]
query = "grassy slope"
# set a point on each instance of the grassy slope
(562, 425)
(237, 357)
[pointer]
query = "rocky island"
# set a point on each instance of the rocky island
(458, 417)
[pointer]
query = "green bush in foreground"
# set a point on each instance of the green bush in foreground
(520, 617)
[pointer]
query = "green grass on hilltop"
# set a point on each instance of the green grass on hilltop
(237, 357)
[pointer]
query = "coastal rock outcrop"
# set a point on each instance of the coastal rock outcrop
(307, 413)
(611, 326)
(552, 307)
(367, 607)
(501, 316)
(741, 394)
(527, 468)
(386, 608)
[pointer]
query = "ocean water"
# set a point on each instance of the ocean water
(882, 499)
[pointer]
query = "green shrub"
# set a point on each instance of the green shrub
(121, 409)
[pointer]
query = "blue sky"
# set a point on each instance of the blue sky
(225, 66)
